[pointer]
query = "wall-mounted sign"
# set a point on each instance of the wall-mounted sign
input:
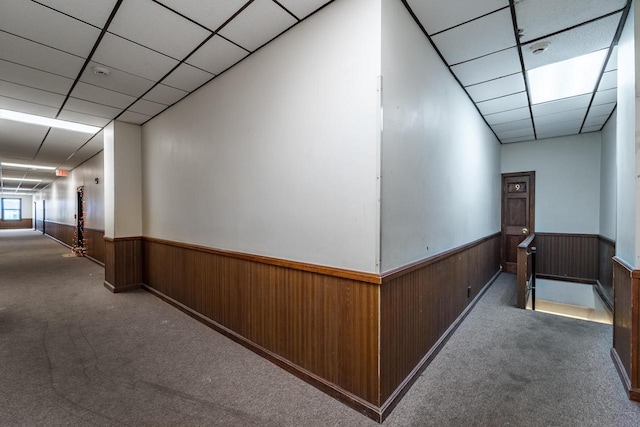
(62, 172)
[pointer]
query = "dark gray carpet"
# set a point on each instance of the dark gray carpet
(72, 353)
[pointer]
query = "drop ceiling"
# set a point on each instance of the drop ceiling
(158, 51)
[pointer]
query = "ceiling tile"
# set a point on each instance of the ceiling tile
(508, 116)
(165, 94)
(117, 80)
(44, 25)
(133, 117)
(89, 150)
(80, 106)
(606, 96)
(25, 52)
(515, 125)
(86, 119)
(558, 129)
(516, 133)
(488, 67)
(509, 102)
(211, 14)
(217, 55)
(602, 109)
(612, 64)
(155, 26)
(595, 120)
(438, 15)
(303, 8)
(477, 38)
(553, 107)
(31, 77)
(20, 138)
(260, 22)
(519, 139)
(148, 108)
(541, 17)
(609, 80)
(100, 95)
(496, 88)
(127, 56)
(27, 107)
(588, 129)
(37, 96)
(576, 42)
(562, 116)
(187, 78)
(97, 14)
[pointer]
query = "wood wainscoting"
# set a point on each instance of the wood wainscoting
(361, 337)
(40, 225)
(570, 257)
(606, 252)
(123, 263)
(63, 233)
(626, 327)
(94, 245)
(16, 224)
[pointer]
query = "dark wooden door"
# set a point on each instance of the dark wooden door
(518, 219)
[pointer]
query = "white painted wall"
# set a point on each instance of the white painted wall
(567, 198)
(440, 161)
(277, 157)
(626, 146)
(608, 180)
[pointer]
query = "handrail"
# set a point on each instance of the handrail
(525, 272)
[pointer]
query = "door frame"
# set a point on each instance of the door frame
(532, 210)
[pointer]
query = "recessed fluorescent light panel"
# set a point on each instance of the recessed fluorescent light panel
(46, 121)
(575, 76)
(4, 178)
(25, 166)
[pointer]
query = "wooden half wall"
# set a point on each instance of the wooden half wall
(64, 233)
(16, 224)
(362, 338)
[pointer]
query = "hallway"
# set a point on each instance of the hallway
(72, 353)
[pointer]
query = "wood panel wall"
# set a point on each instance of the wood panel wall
(626, 328)
(363, 338)
(94, 244)
(61, 232)
(123, 263)
(606, 252)
(567, 256)
(16, 224)
(422, 304)
(40, 225)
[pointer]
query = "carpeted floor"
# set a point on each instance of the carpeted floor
(72, 353)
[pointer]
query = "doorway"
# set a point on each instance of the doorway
(518, 215)
(79, 231)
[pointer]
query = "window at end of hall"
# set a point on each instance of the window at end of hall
(11, 209)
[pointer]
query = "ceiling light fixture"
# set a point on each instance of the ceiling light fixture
(539, 48)
(101, 71)
(4, 178)
(25, 166)
(15, 194)
(46, 121)
(564, 79)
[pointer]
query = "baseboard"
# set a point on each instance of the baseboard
(566, 279)
(603, 296)
(121, 289)
(633, 393)
(332, 390)
(59, 241)
(402, 389)
(100, 263)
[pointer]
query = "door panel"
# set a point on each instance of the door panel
(518, 207)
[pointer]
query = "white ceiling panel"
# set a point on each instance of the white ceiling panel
(156, 27)
(563, 116)
(519, 139)
(217, 55)
(127, 56)
(70, 140)
(260, 22)
(601, 110)
(496, 88)
(54, 154)
(508, 116)
(516, 133)
(605, 97)
(20, 133)
(100, 95)
(187, 78)
(488, 67)
(576, 42)
(483, 36)
(165, 94)
(31, 77)
(609, 80)
(303, 8)
(211, 14)
(44, 25)
(559, 129)
(25, 52)
(133, 117)
(515, 125)
(86, 119)
(612, 64)
(83, 154)
(96, 15)
(509, 102)
(37, 96)
(148, 108)
(595, 120)
(438, 15)
(80, 106)
(588, 129)
(27, 107)
(541, 17)
(553, 107)
(117, 80)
